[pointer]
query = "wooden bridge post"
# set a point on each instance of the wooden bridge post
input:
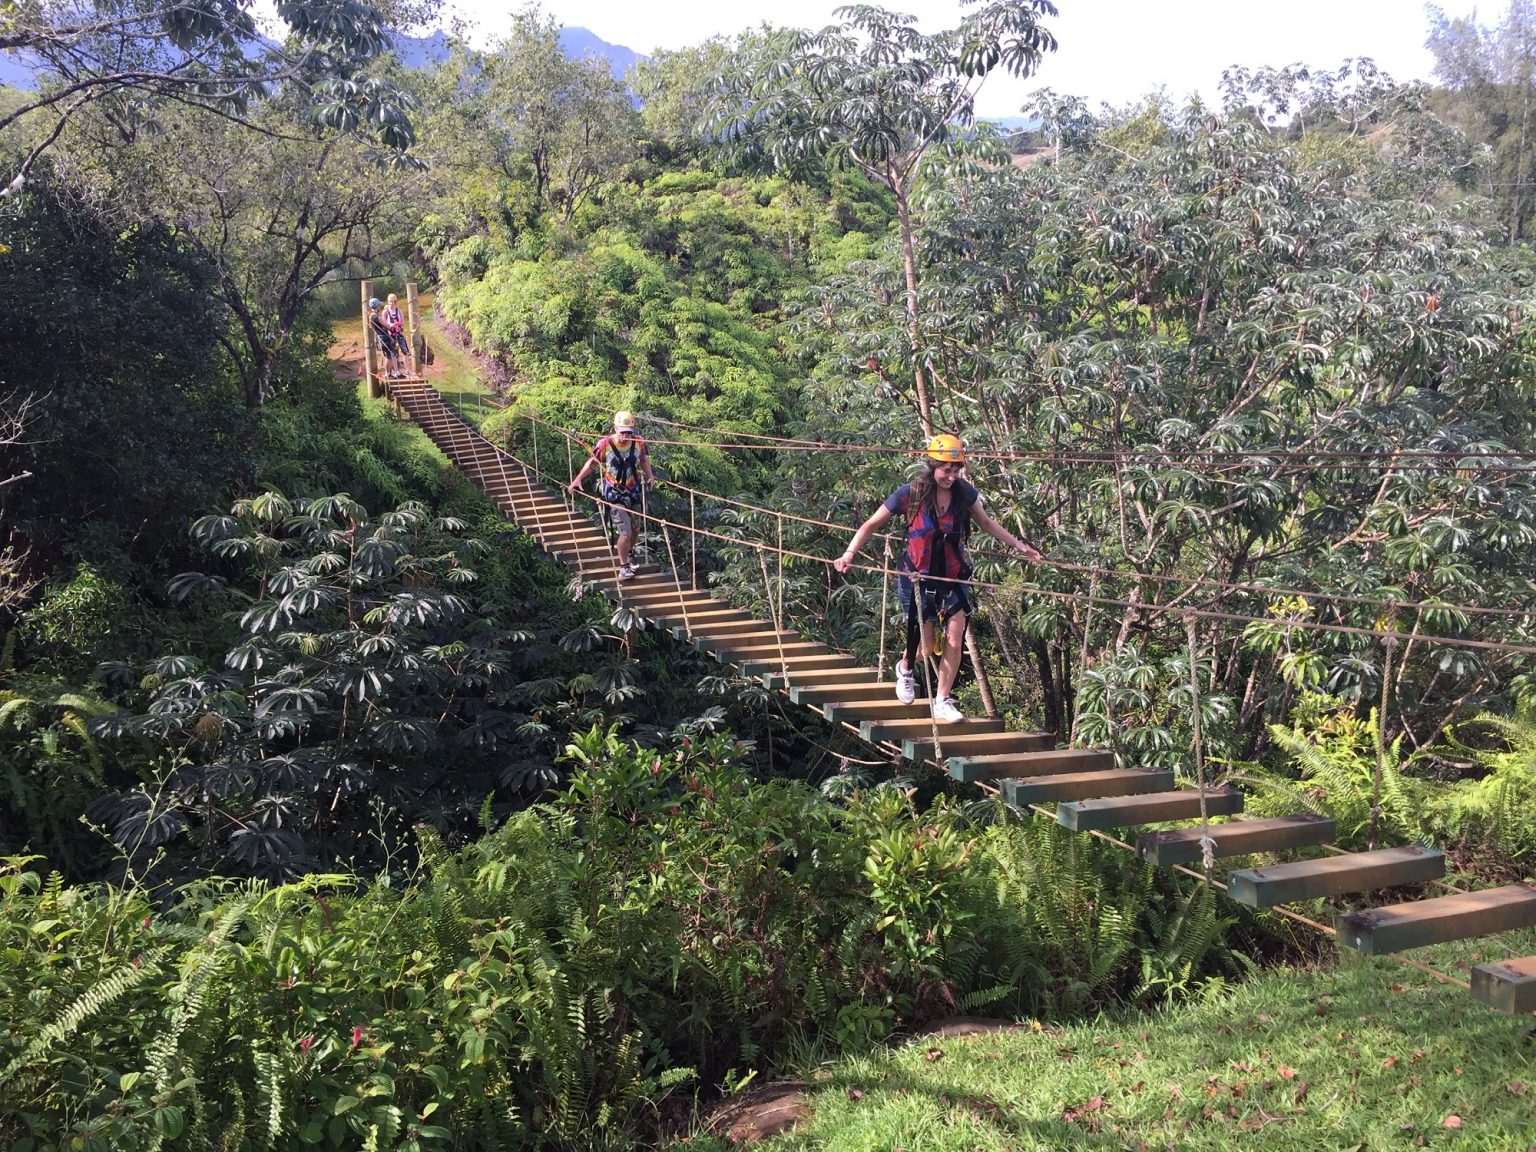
(370, 363)
(414, 320)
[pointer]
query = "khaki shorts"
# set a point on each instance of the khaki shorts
(621, 519)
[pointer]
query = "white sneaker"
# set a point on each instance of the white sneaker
(906, 683)
(627, 572)
(944, 710)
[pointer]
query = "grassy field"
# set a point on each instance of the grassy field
(1373, 1055)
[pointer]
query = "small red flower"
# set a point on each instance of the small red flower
(304, 1044)
(357, 1037)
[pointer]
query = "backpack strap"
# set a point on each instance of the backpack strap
(624, 467)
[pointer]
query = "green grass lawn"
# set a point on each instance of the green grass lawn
(1372, 1055)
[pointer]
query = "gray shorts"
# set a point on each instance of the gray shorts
(621, 519)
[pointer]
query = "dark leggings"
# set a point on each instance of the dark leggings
(934, 606)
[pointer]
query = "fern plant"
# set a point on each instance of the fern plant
(50, 770)
(1336, 763)
(1495, 809)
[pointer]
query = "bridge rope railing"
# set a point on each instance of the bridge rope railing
(1216, 587)
(1388, 636)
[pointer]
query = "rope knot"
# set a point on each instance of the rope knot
(1207, 852)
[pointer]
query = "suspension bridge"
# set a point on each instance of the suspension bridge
(1092, 794)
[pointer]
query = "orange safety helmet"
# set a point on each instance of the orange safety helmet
(624, 421)
(946, 449)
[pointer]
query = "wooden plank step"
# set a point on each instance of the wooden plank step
(851, 693)
(556, 517)
(1509, 986)
(1081, 785)
(765, 641)
(958, 743)
(1051, 762)
(728, 652)
(1275, 834)
(759, 665)
(1151, 808)
(750, 625)
(896, 731)
(1334, 875)
(817, 676)
(564, 531)
(858, 711)
(666, 597)
(1396, 927)
(701, 623)
(752, 631)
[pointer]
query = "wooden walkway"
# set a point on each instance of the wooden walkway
(1090, 792)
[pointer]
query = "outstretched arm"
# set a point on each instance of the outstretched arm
(866, 530)
(586, 470)
(1003, 536)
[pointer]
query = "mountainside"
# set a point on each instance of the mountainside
(579, 43)
(414, 51)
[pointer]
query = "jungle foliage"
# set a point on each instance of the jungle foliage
(409, 843)
(661, 923)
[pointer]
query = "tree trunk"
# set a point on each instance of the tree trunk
(909, 267)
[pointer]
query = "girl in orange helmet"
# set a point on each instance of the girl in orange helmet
(939, 507)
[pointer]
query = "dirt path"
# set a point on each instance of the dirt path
(346, 350)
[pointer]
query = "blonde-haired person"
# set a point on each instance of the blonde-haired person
(623, 460)
(383, 340)
(939, 507)
(394, 321)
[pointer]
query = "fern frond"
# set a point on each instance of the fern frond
(99, 996)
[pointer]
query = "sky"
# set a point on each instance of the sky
(1113, 51)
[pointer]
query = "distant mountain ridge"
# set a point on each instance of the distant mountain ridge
(19, 71)
(576, 43)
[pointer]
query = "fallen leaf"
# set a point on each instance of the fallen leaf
(1286, 1073)
(1072, 1114)
(1389, 1062)
(1451, 1121)
(1517, 1087)
(933, 1054)
(855, 1094)
(1301, 1091)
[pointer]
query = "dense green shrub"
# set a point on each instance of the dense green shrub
(372, 674)
(664, 919)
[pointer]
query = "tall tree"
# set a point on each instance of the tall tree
(876, 94)
(1492, 70)
(273, 223)
(1211, 372)
(126, 57)
(524, 129)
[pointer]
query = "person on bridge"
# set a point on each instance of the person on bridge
(939, 507)
(623, 461)
(383, 339)
(394, 320)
